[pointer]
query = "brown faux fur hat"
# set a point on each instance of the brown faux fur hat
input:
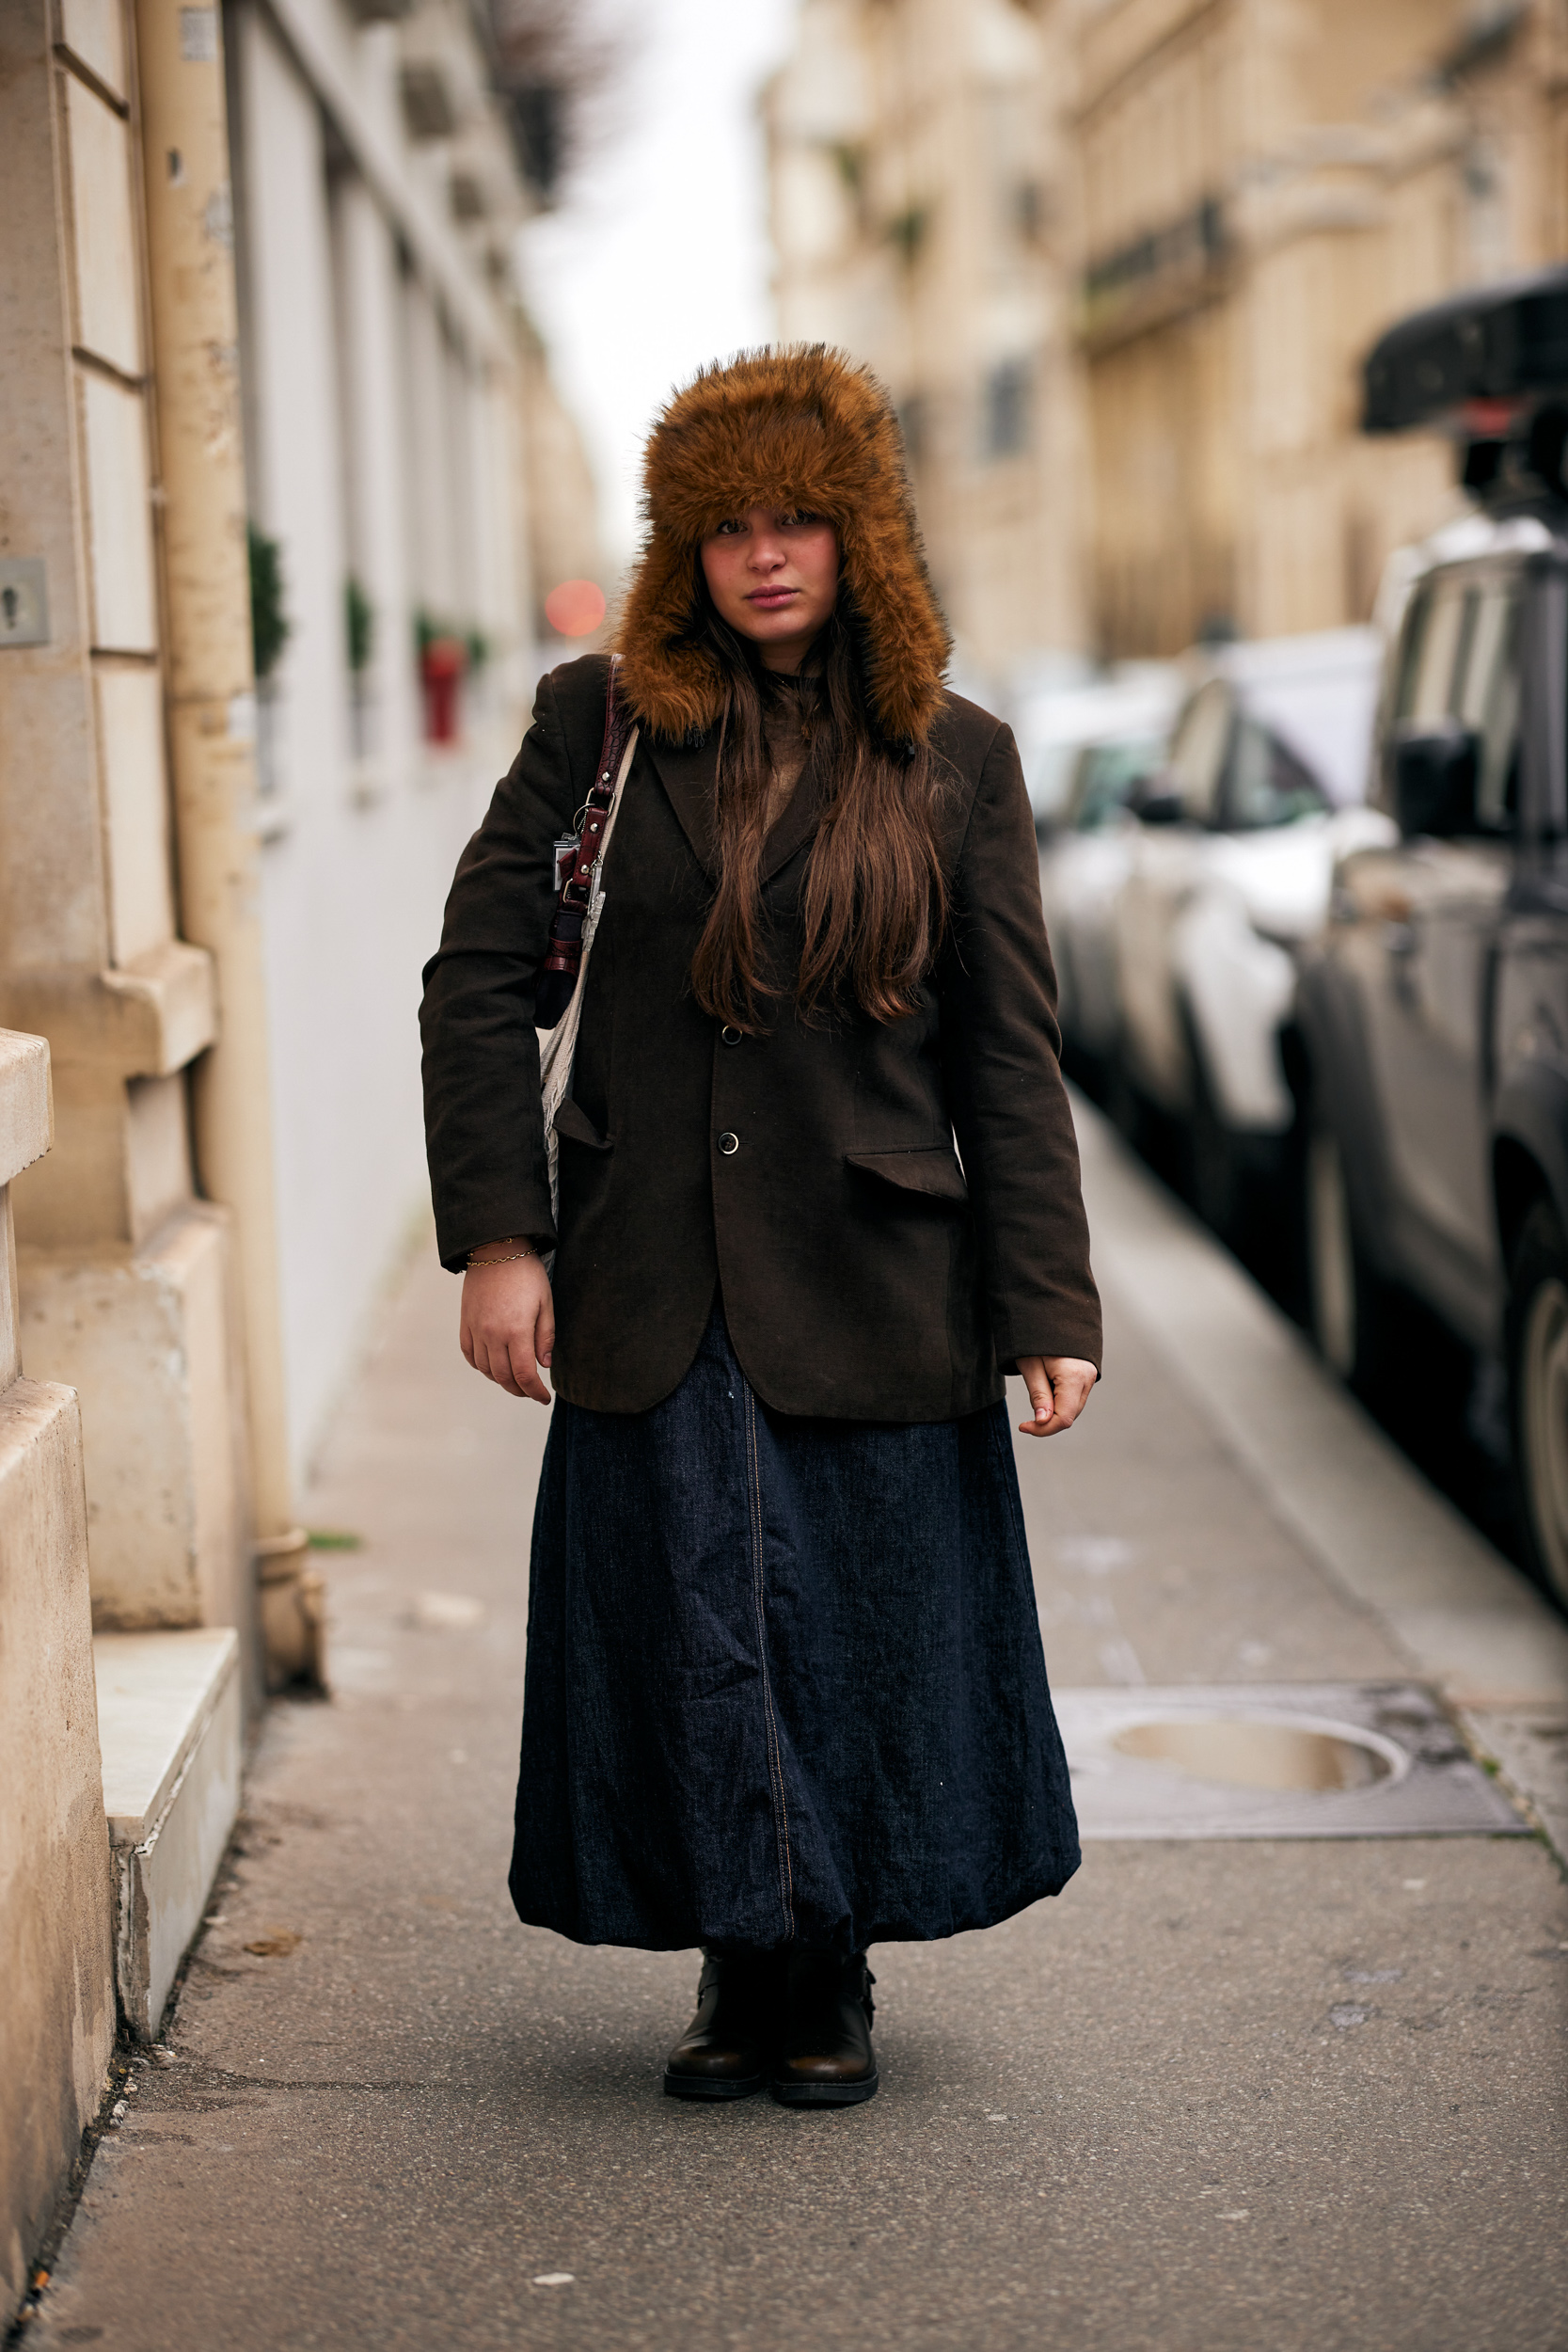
(793, 426)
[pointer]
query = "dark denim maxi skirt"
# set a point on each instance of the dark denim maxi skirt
(784, 1679)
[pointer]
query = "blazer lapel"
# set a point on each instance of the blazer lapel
(799, 820)
(688, 777)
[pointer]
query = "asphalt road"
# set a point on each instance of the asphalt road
(1215, 2098)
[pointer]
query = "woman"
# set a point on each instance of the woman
(785, 1695)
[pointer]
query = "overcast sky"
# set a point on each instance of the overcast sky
(659, 258)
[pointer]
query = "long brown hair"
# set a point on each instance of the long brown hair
(874, 901)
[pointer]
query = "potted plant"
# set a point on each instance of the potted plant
(443, 662)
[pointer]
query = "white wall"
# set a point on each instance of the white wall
(374, 399)
(376, 446)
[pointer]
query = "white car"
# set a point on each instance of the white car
(1228, 872)
(1055, 722)
(1087, 750)
(1085, 857)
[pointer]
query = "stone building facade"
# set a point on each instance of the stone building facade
(56, 1906)
(1262, 190)
(1178, 224)
(265, 643)
(919, 204)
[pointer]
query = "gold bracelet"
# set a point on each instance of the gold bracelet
(511, 1258)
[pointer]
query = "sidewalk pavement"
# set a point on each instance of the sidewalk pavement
(1218, 2097)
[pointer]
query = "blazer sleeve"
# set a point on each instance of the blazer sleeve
(484, 1133)
(1002, 1052)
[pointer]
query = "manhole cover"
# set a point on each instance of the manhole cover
(1286, 1760)
(1249, 1753)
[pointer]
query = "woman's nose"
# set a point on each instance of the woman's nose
(767, 555)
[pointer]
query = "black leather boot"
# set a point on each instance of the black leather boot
(725, 2051)
(826, 2059)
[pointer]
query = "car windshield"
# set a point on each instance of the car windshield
(1266, 784)
(1198, 748)
(1460, 662)
(1108, 775)
(1233, 771)
(1487, 700)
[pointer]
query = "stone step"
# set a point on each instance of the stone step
(170, 1724)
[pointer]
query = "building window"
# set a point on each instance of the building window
(1029, 210)
(1006, 409)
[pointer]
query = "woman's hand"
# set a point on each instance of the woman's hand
(508, 1323)
(1058, 1390)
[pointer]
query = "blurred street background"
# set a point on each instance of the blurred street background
(1230, 342)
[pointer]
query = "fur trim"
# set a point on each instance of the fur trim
(790, 425)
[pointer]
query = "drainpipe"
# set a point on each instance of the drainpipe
(210, 706)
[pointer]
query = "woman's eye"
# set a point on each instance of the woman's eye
(729, 529)
(798, 522)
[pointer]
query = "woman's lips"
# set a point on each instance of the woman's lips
(771, 599)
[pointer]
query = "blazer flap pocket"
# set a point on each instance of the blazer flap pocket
(577, 1127)
(935, 1171)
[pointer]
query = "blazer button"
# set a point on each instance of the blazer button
(729, 1035)
(729, 1145)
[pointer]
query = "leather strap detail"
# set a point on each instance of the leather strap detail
(562, 962)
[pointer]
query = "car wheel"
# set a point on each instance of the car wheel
(1344, 1296)
(1538, 1384)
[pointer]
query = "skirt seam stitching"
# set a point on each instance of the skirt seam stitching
(781, 1812)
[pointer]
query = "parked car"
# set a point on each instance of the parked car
(1434, 1012)
(1085, 850)
(1054, 720)
(1225, 877)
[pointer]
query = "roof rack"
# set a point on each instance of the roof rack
(1491, 368)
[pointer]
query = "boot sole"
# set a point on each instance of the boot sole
(824, 2094)
(715, 2087)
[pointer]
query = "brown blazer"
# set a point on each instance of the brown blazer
(809, 1175)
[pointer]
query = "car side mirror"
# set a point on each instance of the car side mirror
(1434, 771)
(1160, 808)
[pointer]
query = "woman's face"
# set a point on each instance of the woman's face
(773, 576)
